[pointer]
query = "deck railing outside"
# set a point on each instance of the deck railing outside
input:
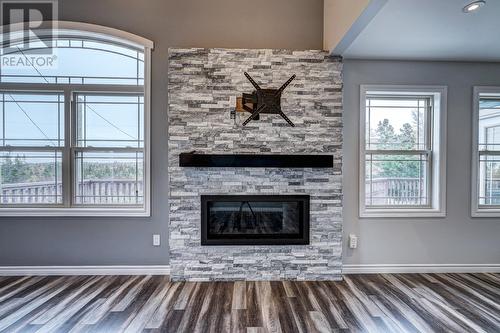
(410, 191)
(492, 191)
(395, 191)
(125, 191)
(388, 191)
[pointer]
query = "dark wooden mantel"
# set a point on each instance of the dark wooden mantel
(255, 160)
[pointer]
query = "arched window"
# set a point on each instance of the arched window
(74, 121)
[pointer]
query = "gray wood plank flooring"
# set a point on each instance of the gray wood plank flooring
(360, 303)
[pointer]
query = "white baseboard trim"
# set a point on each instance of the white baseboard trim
(84, 270)
(165, 269)
(425, 268)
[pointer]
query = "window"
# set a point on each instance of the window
(486, 152)
(75, 135)
(402, 159)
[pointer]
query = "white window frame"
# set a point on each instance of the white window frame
(437, 175)
(75, 29)
(476, 209)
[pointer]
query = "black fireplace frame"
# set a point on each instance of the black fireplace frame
(283, 239)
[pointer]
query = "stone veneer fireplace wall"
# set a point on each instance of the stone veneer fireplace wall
(202, 83)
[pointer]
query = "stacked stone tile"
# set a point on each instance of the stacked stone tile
(201, 85)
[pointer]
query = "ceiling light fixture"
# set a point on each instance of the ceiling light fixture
(474, 6)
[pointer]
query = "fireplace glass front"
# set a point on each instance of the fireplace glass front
(254, 219)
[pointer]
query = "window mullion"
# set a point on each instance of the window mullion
(430, 180)
(109, 149)
(31, 148)
(429, 115)
(489, 153)
(67, 176)
(398, 152)
(3, 119)
(429, 143)
(43, 87)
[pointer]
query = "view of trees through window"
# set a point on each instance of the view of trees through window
(405, 139)
(18, 168)
(31, 177)
(397, 153)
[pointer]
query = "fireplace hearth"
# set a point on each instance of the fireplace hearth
(254, 219)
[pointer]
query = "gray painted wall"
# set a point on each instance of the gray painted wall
(456, 239)
(288, 24)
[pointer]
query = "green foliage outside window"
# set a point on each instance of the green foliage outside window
(17, 169)
(400, 166)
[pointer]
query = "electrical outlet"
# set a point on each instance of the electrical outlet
(353, 241)
(156, 240)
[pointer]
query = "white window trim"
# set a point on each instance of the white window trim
(438, 177)
(476, 211)
(113, 35)
(74, 29)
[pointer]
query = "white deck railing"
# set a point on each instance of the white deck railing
(411, 191)
(396, 191)
(122, 191)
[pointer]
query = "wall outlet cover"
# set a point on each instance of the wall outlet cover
(156, 240)
(353, 241)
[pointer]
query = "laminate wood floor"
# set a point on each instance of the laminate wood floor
(360, 303)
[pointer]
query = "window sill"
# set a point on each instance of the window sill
(401, 213)
(75, 212)
(486, 212)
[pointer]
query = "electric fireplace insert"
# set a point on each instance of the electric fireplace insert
(254, 219)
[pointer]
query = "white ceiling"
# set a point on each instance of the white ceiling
(430, 30)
